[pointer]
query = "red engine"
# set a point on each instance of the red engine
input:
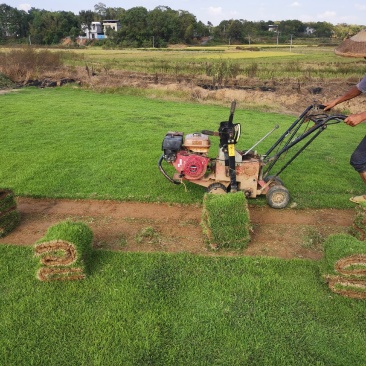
(191, 166)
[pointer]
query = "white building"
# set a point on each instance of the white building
(98, 30)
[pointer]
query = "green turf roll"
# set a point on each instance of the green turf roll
(225, 220)
(64, 251)
(344, 265)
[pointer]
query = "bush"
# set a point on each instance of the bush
(27, 63)
(5, 82)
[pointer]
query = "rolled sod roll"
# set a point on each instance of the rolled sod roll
(344, 265)
(64, 252)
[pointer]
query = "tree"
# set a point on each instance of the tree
(86, 17)
(187, 23)
(161, 24)
(322, 29)
(13, 22)
(101, 10)
(134, 27)
(235, 31)
(344, 30)
(114, 13)
(51, 27)
(294, 27)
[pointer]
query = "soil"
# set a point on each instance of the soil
(287, 95)
(155, 227)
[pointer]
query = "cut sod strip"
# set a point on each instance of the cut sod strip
(9, 216)
(225, 220)
(64, 252)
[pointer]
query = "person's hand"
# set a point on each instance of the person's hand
(329, 105)
(354, 119)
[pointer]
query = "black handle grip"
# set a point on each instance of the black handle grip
(340, 116)
(210, 133)
(233, 106)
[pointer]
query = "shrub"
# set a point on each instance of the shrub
(5, 82)
(28, 63)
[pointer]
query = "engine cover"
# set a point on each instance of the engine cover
(191, 166)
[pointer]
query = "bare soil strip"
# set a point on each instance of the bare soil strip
(153, 227)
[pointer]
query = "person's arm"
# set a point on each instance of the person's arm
(354, 119)
(353, 92)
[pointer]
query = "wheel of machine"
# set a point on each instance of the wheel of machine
(277, 181)
(216, 188)
(278, 196)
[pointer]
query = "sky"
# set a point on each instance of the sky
(214, 11)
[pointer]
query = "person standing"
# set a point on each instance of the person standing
(354, 47)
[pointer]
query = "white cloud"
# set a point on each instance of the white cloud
(24, 7)
(361, 7)
(215, 11)
(295, 4)
(327, 15)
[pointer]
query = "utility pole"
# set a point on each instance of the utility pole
(153, 40)
(291, 43)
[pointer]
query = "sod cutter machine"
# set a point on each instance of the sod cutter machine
(247, 171)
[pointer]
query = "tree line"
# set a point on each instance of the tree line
(158, 27)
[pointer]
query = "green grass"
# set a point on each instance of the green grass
(225, 220)
(341, 246)
(161, 309)
(74, 143)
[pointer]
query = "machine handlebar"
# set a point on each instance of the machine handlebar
(233, 106)
(325, 118)
(210, 133)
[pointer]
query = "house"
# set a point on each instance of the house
(111, 24)
(95, 31)
(273, 28)
(309, 31)
(98, 30)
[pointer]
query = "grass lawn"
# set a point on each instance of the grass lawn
(79, 144)
(164, 309)
(161, 309)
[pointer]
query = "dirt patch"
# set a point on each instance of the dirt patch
(152, 227)
(288, 95)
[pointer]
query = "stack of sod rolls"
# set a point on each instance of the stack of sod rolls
(225, 220)
(9, 215)
(344, 265)
(64, 252)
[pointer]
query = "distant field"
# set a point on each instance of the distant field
(264, 62)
